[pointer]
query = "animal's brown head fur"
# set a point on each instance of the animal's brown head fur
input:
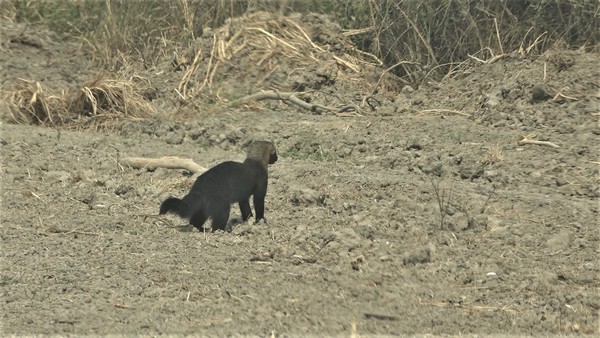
(263, 151)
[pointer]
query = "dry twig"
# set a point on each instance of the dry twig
(525, 140)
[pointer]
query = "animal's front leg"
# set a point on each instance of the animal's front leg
(259, 207)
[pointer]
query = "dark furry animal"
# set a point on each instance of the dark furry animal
(230, 182)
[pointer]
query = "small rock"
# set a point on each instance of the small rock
(415, 144)
(407, 89)
(535, 174)
(59, 175)
(470, 172)
(123, 189)
(344, 152)
(559, 241)
(492, 101)
(174, 138)
(490, 174)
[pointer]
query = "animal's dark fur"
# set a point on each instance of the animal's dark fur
(230, 182)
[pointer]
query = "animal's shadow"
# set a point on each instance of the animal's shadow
(233, 222)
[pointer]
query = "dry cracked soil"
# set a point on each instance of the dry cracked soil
(427, 215)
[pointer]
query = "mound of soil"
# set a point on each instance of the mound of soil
(427, 214)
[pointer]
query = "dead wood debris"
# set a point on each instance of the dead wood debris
(168, 162)
(292, 98)
(525, 140)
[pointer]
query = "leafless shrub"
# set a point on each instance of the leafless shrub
(443, 197)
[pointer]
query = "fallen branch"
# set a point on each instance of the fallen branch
(168, 162)
(525, 140)
(292, 98)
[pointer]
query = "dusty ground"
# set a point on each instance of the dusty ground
(354, 242)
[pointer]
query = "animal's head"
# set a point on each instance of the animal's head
(272, 154)
(263, 150)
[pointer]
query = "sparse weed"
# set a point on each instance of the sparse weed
(308, 150)
(443, 197)
(493, 155)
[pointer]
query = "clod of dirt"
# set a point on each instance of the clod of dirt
(561, 61)
(356, 262)
(305, 197)
(471, 171)
(478, 222)
(559, 241)
(415, 144)
(58, 175)
(540, 93)
(123, 189)
(419, 255)
(431, 166)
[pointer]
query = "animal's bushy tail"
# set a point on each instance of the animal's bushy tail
(176, 206)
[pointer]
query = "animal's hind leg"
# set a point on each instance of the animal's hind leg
(245, 209)
(198, 219)
(220, 216)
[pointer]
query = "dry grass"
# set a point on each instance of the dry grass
(384, 44)
(101, 102)
(265, 41)
(433, 40)
(494, 154)
(30, 103)
(104, 101)
(418, 41)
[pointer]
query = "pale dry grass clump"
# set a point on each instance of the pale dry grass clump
(31, 103)
(266, 41)
(493, 155)
(101, 102)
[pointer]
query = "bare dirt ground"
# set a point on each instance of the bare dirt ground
(354, 244)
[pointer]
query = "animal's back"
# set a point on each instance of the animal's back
(233, 181)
